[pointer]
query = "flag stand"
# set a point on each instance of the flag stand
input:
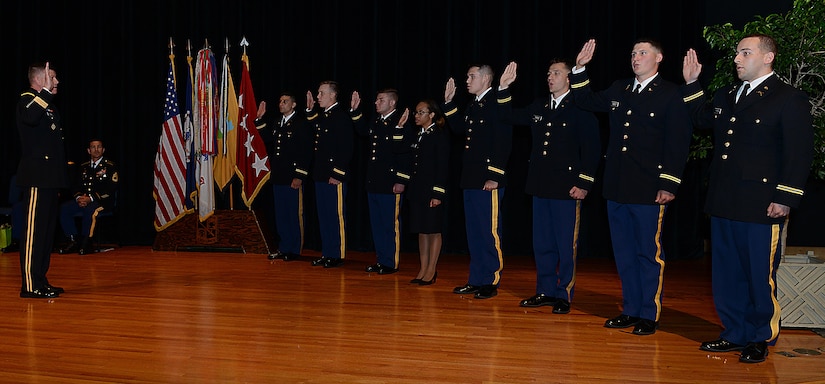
(229, 231)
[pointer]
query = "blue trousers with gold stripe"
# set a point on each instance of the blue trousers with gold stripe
(88, 218)
(745, 258)
(636, 235)
(38, 238)
(386, 226)
(289, 217)
(330, 200)
(483, 223)
(555, 245)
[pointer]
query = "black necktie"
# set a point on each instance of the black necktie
(637, 89)
(744, 91)
(553, 105)
(283, 121)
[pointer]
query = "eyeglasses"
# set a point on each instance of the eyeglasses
(419, 113)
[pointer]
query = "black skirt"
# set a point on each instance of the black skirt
(424, 219)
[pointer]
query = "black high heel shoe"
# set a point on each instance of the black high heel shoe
(431, 282)
(416, 281)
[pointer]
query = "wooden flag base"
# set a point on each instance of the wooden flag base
(224, 231)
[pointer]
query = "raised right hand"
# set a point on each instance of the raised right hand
(449, 90)
(586, 54)
(691, 67)
(310, 100)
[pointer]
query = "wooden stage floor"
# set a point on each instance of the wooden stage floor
(137, 316)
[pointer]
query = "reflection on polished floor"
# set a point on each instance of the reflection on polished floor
(133, 315)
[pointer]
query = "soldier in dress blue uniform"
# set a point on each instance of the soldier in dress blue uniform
(488, 140)
(42, 173)
(289, 144)
(388, 164)
(428, 187)
(334, 135)
(650, 134)
(563, 161)
(95, 193)
(763, 148)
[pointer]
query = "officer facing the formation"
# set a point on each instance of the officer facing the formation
(94, 193)
(388, 163)
(41, 175)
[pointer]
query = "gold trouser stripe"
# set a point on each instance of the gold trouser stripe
(397, 229)
(301, 216)
(572, 284)
(658, 239)
(777, 311)
(28, 250)
(341, 233)
(496, 240)
(94, 222)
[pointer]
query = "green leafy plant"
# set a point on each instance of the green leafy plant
(800, 62)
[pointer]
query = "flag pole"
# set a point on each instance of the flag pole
(231, 190)
(172, 59)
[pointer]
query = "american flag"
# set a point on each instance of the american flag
(170, 167)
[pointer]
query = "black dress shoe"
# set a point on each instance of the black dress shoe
(319, 262)
(416, 281)
(52, 288)
(720, 345)
(621, 321)
(538, 301)
(333, 263)
(486, 292)
(86, 249)
(290, 256)
(72, 247)
(380, 269)
(465, 289)
(561, 307)
(429, 282)
(39, 294)
(754, 353)
(645, 327)
(276, 255)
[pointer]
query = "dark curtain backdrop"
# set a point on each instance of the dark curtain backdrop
(112, 57)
